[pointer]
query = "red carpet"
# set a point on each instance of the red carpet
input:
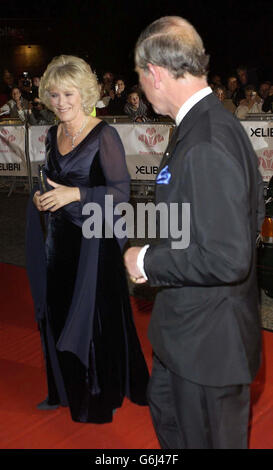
(23, 385)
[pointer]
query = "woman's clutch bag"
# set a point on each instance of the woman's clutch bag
(44, 186)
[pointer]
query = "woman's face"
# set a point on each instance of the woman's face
(120, 86)
(66, 103)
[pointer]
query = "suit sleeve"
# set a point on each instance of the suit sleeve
(221, 239)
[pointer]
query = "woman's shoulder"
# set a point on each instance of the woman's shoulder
(109, 134)
(106, 129)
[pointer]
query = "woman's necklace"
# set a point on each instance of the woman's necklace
(74, 137)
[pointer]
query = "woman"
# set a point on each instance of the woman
(17, 106)
(93, 355)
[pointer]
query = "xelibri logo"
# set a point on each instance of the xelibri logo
(173, 221)
(261, 132)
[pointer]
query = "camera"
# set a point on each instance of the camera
(26, 80)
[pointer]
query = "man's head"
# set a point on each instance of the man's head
(171, 63)
(8, 78)
(242, 74)
(15, 94)
(250, 93)
(264, 90)
(173, 43)
(108, 77)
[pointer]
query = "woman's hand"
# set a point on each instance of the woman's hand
(58, 197)
(36, 200)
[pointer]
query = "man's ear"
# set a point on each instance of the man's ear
(155, 70)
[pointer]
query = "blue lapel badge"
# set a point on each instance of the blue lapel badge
(164, 176)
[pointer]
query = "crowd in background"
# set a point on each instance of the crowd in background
(241, 93)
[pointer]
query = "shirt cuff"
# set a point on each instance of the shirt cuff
(140, 260)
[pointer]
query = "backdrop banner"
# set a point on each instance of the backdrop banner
(36, 138)
(261, 137)
(144, 147)
(12, 151)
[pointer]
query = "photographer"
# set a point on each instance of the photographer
(38, 114)
(25, 85)
(251, 104)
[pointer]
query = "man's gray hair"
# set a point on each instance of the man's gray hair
(173, 43)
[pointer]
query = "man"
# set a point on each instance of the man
(232, 90)
(205, 328)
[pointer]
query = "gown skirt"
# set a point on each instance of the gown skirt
(117, 366)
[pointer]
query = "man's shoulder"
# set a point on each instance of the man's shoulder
(215, 126)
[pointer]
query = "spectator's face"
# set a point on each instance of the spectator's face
(16, 94)
(36, 81)
(216, 79)
(242, 74)
(120, 86)
(133, 99)
(108, 77)
(8, 78)
(232, 84)
(250, 95)
(220, 94)
(37, 104)
(264, 90)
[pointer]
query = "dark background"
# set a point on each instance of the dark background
(104, 32)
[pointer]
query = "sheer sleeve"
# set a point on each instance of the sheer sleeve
(113, 163)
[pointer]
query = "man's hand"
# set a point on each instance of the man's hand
(58, 197)
(130, 260)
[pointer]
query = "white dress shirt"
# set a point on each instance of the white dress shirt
(185, 108)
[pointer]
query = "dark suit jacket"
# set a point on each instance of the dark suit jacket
(205, 323)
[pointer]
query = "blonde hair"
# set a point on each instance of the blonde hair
(65, 71)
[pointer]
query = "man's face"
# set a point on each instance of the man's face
(250, 95)
(264, 90)
(108, 77)
(16, 94)
(232, 83)
(36, 81)
(242, 74)
(37, 104)
(8, 78)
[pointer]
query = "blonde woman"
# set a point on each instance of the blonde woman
(93, 356)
